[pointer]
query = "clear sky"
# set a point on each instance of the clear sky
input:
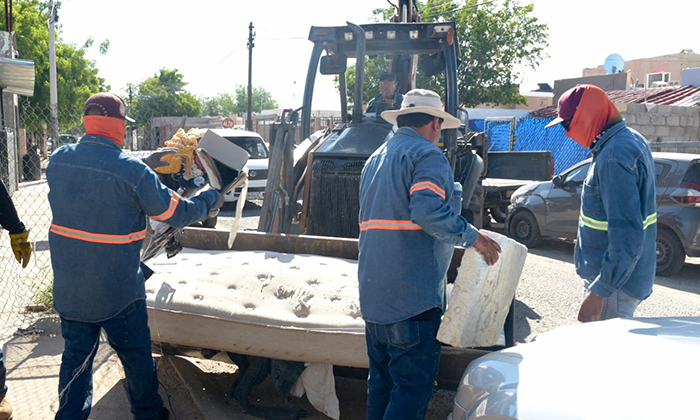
(206, 40)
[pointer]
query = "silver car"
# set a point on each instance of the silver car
(633, 368)
(551, 208)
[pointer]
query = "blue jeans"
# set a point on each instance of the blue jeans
(403, 365)
(617, 305)
(130, 337)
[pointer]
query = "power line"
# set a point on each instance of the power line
(229, 55)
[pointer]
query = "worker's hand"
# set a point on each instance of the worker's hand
(591, 308)
(488, 248)
(161, 158)
(214, 210)
(21, 247)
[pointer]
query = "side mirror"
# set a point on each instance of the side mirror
(333, 64)
(558, 181)
(463, 116)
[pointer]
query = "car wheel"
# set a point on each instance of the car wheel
(670, 255)
(499, 213)
(210, 222)
(524, 229)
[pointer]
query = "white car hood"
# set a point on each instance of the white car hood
(642, 368)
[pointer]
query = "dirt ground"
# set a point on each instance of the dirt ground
(220, 378)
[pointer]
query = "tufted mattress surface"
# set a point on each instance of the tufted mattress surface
(287, 306)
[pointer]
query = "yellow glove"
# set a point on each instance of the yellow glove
(173, 164)
(21, 247)
(174, 161)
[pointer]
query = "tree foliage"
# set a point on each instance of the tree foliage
(163, 95)
(227, 104)
(494, 40)
(77, 77)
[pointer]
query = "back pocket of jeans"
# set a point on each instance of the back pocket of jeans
(403, 334)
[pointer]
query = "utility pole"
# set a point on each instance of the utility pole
(251, 44)
(53, 95)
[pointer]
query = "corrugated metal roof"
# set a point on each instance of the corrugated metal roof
(676, 96)
(17, 76)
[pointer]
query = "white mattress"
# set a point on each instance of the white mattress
(287, 306)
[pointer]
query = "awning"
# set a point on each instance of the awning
(17, 76)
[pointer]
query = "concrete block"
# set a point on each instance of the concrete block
(482, 295)
(677, 131)
(662, 131)
(673, 120)
(658, 120)
(630, 118)
(664, 110)
(636, 108)
(647, 130)
(643, 119)
(683, 121)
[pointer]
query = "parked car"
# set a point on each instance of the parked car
(258, 161)
(551, 208)
(632, 368)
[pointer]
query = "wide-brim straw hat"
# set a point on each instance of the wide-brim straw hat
(425, 102)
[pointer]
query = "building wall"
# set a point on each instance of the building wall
(664, 124)
(672, 63)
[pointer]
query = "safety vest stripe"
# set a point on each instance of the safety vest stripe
(101, 238)
(603, 225)
(650, 220)
(383, 224)
(427, 185)
(169, 212)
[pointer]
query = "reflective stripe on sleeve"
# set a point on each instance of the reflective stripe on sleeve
(650, 220)
(603, 225)
(174, 199)
(388, 225)
(427, 185)
(101, 238)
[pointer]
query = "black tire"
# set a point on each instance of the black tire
(499, 213)
(670, 254)
(523, 228)
(210, 223)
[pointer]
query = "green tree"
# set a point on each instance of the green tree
(222, 104)
(494, 40)
(77, 77)
(163, 95)
(261, 99)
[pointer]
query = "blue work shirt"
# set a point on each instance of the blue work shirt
(616, 246)
(397, 99)
(100, 199)
(409, 224)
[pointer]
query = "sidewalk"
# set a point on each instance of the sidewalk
(33, 362)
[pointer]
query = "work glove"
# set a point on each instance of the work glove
(160, 158)
(214, 210)
(21, 247)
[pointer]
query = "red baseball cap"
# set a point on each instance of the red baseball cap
(108, 105)
(568, 102)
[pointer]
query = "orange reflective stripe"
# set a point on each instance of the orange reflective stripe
(169, 212)
(388, 225)
(427, 185)
(101, 238)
